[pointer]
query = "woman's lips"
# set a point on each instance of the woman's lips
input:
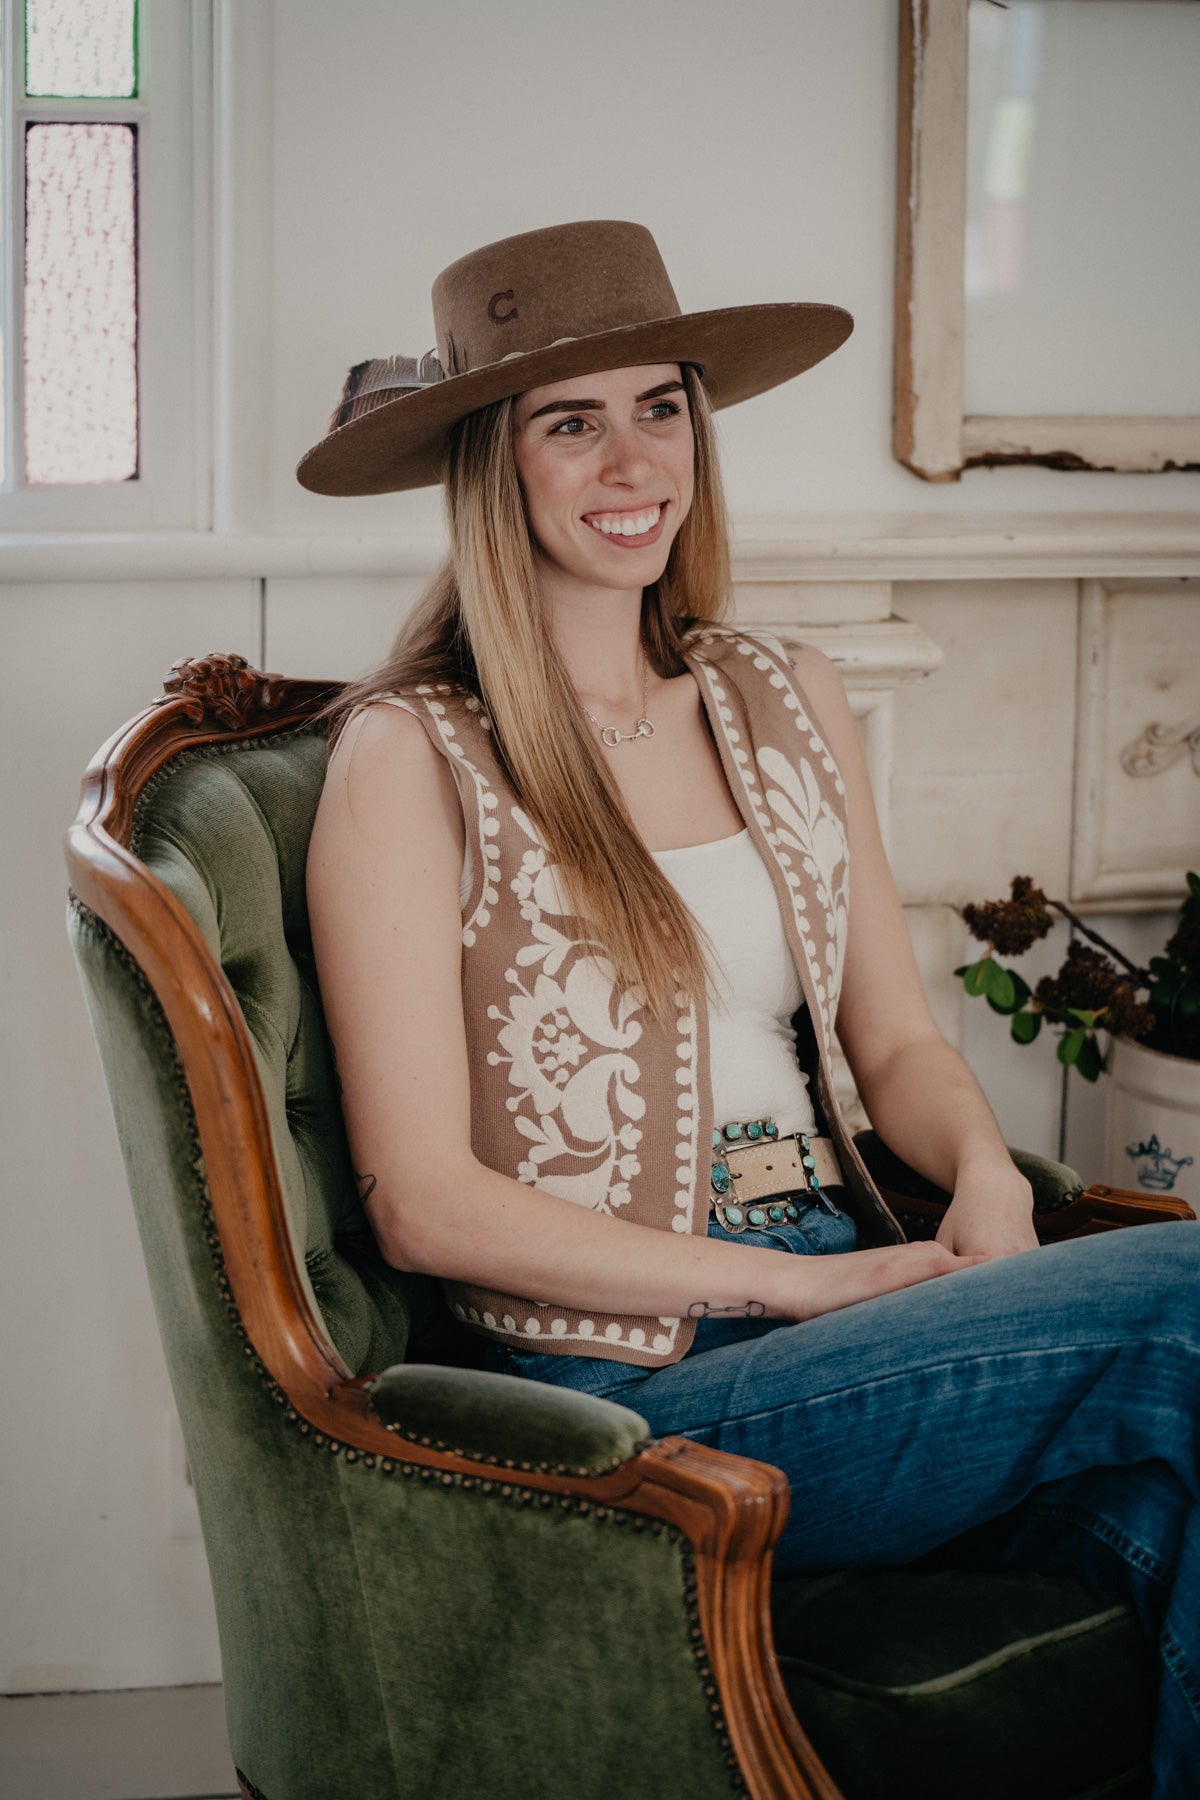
(635, 542)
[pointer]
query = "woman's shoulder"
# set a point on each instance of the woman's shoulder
(764, 650)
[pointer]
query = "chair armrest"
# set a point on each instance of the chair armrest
(1053, 1183)
(1063, 1208)
(499, 1419)
(1102, 1208)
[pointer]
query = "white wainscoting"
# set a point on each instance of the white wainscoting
(990, 755)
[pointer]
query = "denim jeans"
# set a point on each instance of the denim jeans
(1041, 1411)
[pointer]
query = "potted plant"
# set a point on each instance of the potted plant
(1152, 1016)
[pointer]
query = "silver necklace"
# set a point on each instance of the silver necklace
(610, 737)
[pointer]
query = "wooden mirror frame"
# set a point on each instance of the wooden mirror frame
(931, 435)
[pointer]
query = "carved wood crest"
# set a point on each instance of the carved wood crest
(222, 690)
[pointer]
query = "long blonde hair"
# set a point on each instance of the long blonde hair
(479, 624)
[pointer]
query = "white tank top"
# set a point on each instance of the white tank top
(752, 1047)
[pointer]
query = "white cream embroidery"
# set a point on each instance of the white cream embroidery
(486, 807)
(810, 828)
(567, 1040)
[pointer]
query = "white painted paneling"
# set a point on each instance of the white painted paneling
(101, 1594)
(984, 747)
(937, 934)
(339, 627)
(1137, 823)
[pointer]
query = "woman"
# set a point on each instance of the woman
(580, 901)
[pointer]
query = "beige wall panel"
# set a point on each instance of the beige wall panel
(1139, 697)
(982, 780)
(102, 1595)
(339, 626)
(937, 933)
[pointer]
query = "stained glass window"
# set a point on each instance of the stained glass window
(81, 400)
(81, 48)
(102, 314)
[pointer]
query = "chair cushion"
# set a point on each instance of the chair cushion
(949, 1684)
(227, 829)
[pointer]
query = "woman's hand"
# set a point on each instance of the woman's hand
(826, 1284)
(991, 1213)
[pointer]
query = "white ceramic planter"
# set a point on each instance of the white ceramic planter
(1153, 1122)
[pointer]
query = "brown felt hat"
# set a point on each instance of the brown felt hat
(542, 307)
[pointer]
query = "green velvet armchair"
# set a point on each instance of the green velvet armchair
(434, 1581)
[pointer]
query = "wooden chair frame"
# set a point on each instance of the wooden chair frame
(731, 1509)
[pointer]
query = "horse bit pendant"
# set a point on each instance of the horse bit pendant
(611, 737)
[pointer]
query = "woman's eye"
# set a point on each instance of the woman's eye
(668, 407)
(561, 427)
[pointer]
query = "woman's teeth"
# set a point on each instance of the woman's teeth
(625, 524)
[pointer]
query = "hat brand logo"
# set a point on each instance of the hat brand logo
(497, 317)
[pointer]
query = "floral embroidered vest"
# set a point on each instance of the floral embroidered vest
(575, 1088)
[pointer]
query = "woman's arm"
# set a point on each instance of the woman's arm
(383, 876)
(918, 1092)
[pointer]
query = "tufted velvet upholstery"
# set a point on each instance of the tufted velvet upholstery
(381, 1638)
(250, 809)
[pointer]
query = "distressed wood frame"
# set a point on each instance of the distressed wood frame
(931, 435)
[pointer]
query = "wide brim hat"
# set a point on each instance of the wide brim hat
(541, 307)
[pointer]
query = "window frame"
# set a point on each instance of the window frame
(172, 113)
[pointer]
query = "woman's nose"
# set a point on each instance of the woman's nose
(626, 459)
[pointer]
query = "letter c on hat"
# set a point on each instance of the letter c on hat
(499, 318)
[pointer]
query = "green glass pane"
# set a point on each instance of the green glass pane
(80, 303)
(81, 48)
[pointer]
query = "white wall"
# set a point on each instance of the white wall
(756, 141)
(371, 145)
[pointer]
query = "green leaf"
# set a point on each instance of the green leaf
(1089, 1062)
(1001, 991)
(975, 976)
(1025, 1026)
(1086, 1019)
(1193, 881)
(1070, 1044)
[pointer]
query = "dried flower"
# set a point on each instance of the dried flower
(1089, 982)
(1011, 926)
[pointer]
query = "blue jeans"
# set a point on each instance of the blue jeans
(1041, 1411)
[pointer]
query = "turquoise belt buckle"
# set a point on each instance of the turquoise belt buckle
(767, 1211)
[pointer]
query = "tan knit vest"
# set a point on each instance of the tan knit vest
(574, 1086)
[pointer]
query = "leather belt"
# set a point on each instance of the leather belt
(761, 1177)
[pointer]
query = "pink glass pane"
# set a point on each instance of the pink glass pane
(80, 303)
(80, 47)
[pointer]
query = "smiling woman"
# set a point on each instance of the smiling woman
(618, 465)
(580, 895)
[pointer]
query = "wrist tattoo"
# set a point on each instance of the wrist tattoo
(704, 1309)
(364, 1193)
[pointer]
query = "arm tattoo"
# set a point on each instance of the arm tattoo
(364, 1193)
(703, 1309)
